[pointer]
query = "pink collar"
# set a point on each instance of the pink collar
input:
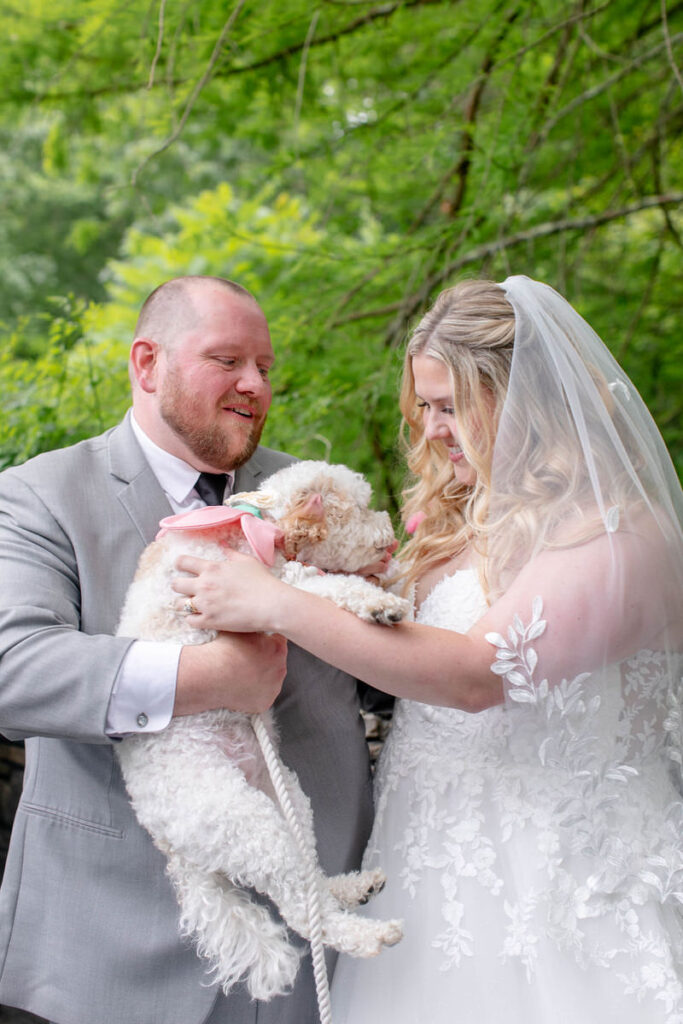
(262, 536)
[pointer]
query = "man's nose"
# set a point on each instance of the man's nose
(251, 381)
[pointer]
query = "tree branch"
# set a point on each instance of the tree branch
(160, 40)
(669, 46)
(596, 90)
(408, 305)
(113, 88)
(460, 170)
(511, 58)
(384, 11)
(194, 95)
(644, 300)
(302, 70)
(656, 150)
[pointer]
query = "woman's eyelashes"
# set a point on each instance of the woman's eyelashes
(447, 410)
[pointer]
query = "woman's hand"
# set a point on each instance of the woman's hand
(238, 595)
(376, 569)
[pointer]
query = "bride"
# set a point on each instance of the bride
(529, 798)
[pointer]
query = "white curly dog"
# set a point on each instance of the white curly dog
(201, 787)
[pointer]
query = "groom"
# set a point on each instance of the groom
(88, 921)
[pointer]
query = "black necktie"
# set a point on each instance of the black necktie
(211, 487)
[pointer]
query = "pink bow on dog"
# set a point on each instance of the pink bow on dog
(262, 536)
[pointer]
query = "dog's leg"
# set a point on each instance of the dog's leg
(354, 593)
(349, 889)
(231, 829)
(196, 828)
(360, 936)
(342, 930)
(271, 863)
(236, 936)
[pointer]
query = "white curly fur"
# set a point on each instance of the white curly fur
(201, 788)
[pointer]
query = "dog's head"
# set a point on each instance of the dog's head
(323, 512)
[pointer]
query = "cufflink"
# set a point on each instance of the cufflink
(142, 720)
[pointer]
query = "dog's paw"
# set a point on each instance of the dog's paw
(357, 595)
(393, 933)
(361, 936)
(375, 884)
(356, 887)
(373, 939)
(388, 609)
(372, 604)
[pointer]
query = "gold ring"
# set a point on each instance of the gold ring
(189, 607)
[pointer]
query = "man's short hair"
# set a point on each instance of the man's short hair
(171, 308)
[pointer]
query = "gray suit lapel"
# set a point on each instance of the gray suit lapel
(139, 491)
(250, 475)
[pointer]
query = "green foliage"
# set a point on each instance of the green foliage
(344, 160)
(70, 390)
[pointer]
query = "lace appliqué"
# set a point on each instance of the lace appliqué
(616, 849)
(550, 822)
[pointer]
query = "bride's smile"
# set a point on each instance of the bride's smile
(434, 391)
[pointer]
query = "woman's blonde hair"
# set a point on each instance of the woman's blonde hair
(471, 329)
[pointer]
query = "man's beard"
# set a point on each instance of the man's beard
(211, 444)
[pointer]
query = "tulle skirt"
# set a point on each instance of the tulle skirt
(488, 939)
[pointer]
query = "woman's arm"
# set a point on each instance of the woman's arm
(603, 600)
(435, 666)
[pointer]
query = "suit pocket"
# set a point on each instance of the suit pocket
(75, 785)
(70, 820)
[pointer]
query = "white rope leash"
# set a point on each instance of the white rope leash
(274, 766)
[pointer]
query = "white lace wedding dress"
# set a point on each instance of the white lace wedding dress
(533, 851)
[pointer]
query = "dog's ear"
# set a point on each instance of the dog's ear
(304, 523)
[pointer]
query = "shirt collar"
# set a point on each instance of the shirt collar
(176, 477)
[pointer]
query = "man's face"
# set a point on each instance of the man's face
(213, 390)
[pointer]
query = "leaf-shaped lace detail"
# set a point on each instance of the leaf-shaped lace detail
(515, 659)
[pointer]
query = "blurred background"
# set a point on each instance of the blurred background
(344, 160)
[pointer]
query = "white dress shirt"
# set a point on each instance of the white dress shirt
(144, 691)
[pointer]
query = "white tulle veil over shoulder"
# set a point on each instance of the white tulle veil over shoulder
(586, 543)
(584, 500)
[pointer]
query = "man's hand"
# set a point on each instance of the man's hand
(239, 671)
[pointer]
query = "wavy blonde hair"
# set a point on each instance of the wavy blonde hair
(471, 329)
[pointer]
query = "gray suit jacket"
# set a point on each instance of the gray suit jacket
(88, 921)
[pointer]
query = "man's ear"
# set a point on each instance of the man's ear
(144, 360)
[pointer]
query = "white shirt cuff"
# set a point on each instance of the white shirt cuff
(144, 692)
